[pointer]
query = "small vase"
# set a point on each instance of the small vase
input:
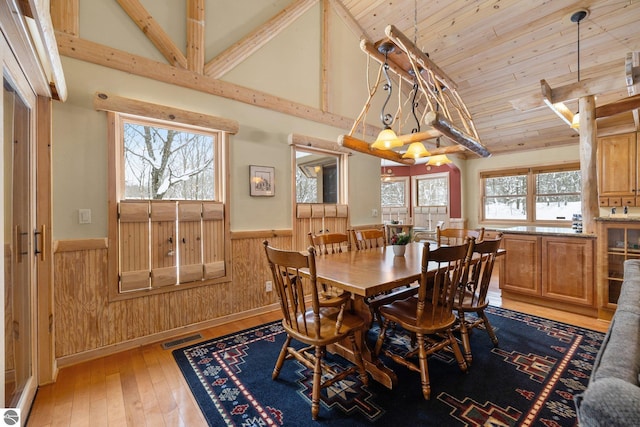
(398, 250)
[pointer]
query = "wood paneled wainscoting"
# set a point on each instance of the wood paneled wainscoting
(89, 325)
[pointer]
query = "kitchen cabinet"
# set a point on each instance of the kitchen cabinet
(619, 241)
(618, 170)
(556, 271)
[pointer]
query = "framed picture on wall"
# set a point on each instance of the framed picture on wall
(262, 180)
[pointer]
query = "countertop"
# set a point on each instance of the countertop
(546, 231)
(620, 218)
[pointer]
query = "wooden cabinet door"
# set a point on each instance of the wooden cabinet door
(521, 264)
(568, 269)
(617, 165)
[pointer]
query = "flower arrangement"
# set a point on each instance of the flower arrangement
(400, 239)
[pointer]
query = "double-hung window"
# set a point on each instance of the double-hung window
(549, 194)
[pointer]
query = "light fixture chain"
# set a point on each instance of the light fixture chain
(386, 118)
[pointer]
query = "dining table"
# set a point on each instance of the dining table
(367, 273)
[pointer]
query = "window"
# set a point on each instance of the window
(393, 192)
(162, 162)
(545, 194)
(432, 190)
(168, 213)
(317, 177)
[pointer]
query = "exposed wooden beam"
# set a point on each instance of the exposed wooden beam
(310, 141)
(325, 58)
(351, 22)
(42, 18)
(65, 16)
(633, 84)
(622, 106)
(559, 108)
(589, 181)
(106, 56)
(594, 86)
(195, 35)
(107, 102)
(154, 32)
(240, 50)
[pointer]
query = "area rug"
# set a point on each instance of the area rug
(529, 379)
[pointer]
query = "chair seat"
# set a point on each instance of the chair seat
(404, 312)
(328, 320)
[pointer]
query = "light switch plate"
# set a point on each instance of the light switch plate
(84, 216)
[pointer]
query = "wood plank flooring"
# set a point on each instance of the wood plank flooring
(144, 386)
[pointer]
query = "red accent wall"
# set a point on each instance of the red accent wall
(455, 191)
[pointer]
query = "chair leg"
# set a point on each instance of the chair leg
(281, 358)
(317, 384)
(464, 336)
(424, 368)
(456, 351)
(381, 336)
(359, 362)
(489, 328)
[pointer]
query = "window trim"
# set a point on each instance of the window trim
(117, 107)
(530, 196)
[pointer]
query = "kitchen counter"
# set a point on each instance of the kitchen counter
(620, 218)
(546, 231)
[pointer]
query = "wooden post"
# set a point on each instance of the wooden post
(588, 146)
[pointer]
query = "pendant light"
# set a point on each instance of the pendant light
(577, 17)
(416, 149)
(438, 159)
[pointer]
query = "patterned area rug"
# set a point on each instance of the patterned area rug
(529, 379)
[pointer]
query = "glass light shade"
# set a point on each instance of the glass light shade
(416, 150)
(387, 139)
(438, 160)
(575, 123)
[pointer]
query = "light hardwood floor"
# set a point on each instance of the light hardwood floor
(144, 386)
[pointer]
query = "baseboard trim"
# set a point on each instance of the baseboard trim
(108, 350)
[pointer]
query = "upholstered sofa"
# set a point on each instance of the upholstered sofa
(612, 397)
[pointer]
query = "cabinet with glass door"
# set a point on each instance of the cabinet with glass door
(619, 241)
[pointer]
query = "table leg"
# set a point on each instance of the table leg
(378, 370)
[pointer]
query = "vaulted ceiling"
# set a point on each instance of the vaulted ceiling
(497, 52)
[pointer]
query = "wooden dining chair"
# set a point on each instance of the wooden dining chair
(306, 321)
(430, 312)
(368, 238)
(328, 244)
(472, 295)
(456, 236)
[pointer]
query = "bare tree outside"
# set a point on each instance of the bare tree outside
(162, 163)
(306, 188)
(557, 196)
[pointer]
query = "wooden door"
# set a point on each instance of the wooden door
(20, 267)
(617, 165)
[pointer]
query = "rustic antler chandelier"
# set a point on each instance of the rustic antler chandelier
(443, 111)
